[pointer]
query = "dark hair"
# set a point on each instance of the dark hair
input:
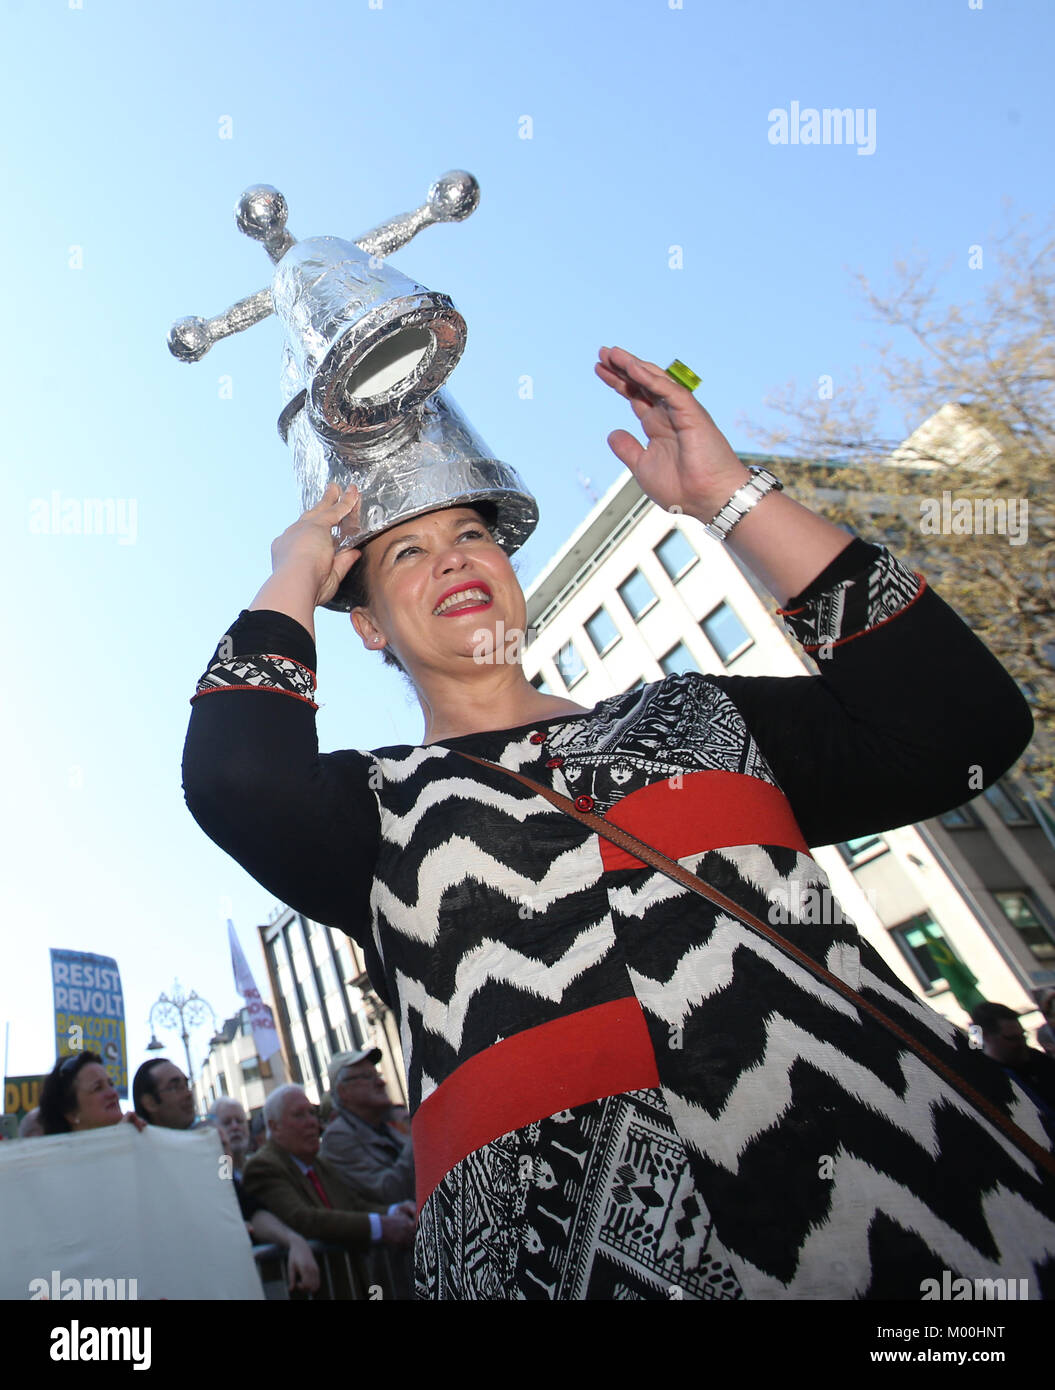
(355, 588)
(143, 1084)
(57, 1095)
(990, 1016)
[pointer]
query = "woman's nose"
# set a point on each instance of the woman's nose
(449, 560)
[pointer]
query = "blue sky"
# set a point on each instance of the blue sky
(649, 130)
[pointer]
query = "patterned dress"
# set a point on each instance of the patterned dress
(618, 1090)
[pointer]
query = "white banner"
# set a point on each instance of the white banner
(117, 1214)
(265, 1038)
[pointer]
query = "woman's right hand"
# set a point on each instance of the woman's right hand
(307, 553)
(307, 568)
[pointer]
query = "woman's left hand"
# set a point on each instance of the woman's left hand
(688, 465)
(133, 1119)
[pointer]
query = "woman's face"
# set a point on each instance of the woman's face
(442, 593)
(98, 1103)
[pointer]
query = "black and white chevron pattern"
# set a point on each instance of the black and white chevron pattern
(824, 1159)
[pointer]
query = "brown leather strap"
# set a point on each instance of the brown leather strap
(648, 855)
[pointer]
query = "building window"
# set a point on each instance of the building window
(726, 633)
(960, 818)
(675, 554)
(539, 682)
(301, 964)
(570, 664)
(251, 1070)
(602, 632)
(913, 937)
(1023, 913)
(1007, 804)
(636, 593)
(864, 848)
(678, 660)
(328, 977)
(221, 1081)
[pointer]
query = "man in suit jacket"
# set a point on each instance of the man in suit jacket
(288, 1177)
(372, 1158)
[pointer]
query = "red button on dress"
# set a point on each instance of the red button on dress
(536, 738)
(555, 762)
(584, 803)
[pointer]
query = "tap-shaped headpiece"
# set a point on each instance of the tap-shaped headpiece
(366, 352)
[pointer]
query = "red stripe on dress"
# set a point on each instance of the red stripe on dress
(709, 810)
(570, 1061)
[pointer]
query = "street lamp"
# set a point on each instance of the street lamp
(180, 1013)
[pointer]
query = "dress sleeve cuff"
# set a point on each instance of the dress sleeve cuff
(876, 589)
(263, 650)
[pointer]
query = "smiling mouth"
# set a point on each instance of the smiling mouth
(464, 601)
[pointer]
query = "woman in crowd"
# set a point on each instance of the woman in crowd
(78, 1094)
(620, 1089)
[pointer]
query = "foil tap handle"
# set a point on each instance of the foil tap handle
(261, 213)
(450, 199)
(191, 338)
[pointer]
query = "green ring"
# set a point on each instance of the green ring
(685, 376)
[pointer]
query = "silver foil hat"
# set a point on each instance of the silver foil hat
(366, 353)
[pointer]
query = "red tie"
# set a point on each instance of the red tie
(313, 1179)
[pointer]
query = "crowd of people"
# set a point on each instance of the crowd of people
(350, 1184)
(342, 1173)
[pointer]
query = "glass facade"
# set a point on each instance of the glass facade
(602, 632)
(864, 847)
(570, 664)
(636, 593)
(960, 818)
(677, 660)
(676, 554)
(925, 947)
(726, 633)
(1024, 915)
(1006, 803)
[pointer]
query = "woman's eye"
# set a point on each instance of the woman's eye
(408, 550)
(473, 531)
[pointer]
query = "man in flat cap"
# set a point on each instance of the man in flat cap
(373, 1159)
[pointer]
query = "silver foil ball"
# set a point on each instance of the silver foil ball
(454, 196)
(189, 339)
(261, 211)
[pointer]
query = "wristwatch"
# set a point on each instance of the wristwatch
(741, 502)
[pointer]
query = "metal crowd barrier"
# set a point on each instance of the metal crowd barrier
(339, 1277)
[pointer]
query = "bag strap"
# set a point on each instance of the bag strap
(659, 861)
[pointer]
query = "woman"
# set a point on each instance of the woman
(618, 1090)
(78, 1094)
